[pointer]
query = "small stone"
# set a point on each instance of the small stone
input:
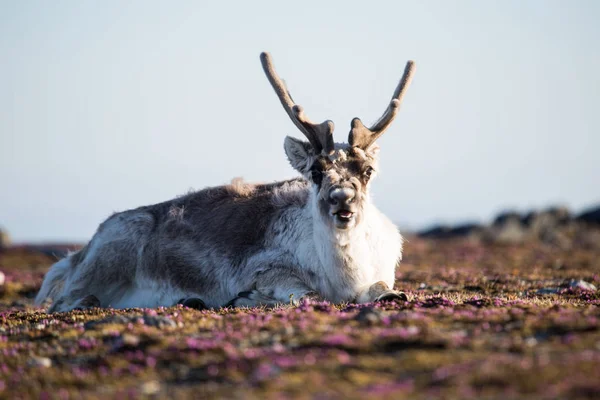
(150, 388)
(156, 321)
(581, 284)
(113, 319)
(548, 290)
(130, 340)
(2, 278)
(159, 321)
(43, 362)
(474, 288)
(369, 315)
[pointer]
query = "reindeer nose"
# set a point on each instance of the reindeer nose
(342, 195)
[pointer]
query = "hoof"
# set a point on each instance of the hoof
(312, 296)
(391, 296)
(252, 298)
(193, 302)
(89, 301)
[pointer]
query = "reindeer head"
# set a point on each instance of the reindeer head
(340, 172)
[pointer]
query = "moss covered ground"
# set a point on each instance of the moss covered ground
(482, 321)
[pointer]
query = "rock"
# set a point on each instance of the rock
(43, 362)
(474, 288)
(590, 216)
(446, 232)
(435, 232)
(551, 218)
(2, 278)
(130, 340)
(508, 230)
(561, 214)
(113, 319)
(156, 321)
(507, 217)
(5, 241)
(369, 315)
(528, 218)
(530, 342)
(554, 226)
(581, 284)
(549, 290)
(149, 388)
(548, 226)
(159, 321)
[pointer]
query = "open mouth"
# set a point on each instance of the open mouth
(344, 215)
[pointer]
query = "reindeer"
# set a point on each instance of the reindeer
(250, 244)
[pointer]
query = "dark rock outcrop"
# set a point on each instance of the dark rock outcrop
(555, 226)
(591, 216)
(446, 232)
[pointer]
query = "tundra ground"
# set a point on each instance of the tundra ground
(483, 321)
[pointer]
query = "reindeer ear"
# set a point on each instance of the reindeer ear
(373, 150)
(298, 153)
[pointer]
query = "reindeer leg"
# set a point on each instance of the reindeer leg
(276, 286)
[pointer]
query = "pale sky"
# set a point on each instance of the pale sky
(109, 105)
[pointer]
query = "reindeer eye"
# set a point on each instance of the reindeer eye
(368, 172)
(316, 176)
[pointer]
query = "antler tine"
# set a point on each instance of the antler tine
(363, 137)
(320, 135)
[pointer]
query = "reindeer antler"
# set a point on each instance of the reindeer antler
(363, 137)
(320, 135)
